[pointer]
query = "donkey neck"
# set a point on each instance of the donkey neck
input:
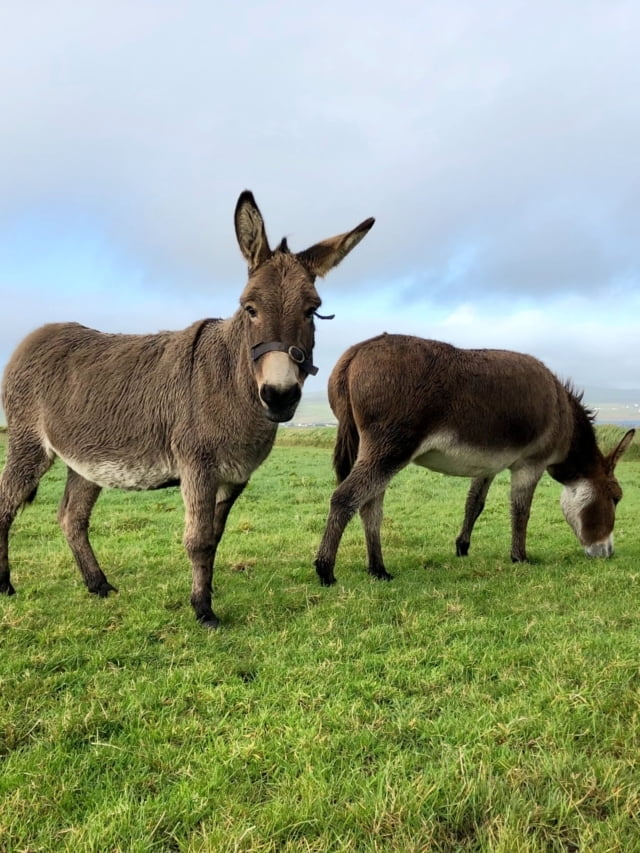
(222, 369)
(584, 455)
(236, 339)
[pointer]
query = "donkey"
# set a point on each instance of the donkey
(469, 413)
(198, 408)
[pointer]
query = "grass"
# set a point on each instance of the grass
(469, 705)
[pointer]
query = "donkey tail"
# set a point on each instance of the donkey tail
(30, 498)
(347, 443)
(345, 450)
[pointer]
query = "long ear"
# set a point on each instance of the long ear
(252, 238)
(322, 257)
(614, 457)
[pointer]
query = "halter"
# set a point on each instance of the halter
(296, 354)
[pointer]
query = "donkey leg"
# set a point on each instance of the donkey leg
(74, 512)
(365, 481)
(371, 515)
(523, 485)
(472, 509)
(225, 499)
(26, 462)
(199, 496)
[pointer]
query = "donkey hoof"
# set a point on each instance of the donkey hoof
(209, 620)
(7, 589)
(325, 574)
(462, 549)
(103, 589)
(381, 575)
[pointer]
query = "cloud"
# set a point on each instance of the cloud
(566, 337)
(496, 145)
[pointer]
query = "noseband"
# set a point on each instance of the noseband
(296, 354)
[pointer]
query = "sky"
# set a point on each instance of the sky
(497, 144)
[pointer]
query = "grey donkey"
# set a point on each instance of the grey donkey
(198, 408)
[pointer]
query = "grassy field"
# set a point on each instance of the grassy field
(469, 705)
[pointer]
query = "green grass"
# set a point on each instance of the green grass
(469, 705)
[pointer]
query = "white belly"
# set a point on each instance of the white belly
(443, 452)
(123, 475)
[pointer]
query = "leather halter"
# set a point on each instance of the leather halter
(296, 354)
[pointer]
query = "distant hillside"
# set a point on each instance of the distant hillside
(611, 405)
(313, 410)
(614, 405)
(594, 395)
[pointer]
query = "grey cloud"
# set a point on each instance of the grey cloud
(496, 144)
(441, 121)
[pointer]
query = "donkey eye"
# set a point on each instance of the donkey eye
(251, 311)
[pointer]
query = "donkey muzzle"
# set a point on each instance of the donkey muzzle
(280, 405)
(280, 384)
(600, 549)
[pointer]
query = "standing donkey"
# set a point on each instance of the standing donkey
(198, 407)
(470, 413)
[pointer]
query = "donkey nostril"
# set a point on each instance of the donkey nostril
(278, 399)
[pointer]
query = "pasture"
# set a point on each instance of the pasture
(469, 705)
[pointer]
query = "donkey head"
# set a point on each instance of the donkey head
(589, 503)
(279, 302)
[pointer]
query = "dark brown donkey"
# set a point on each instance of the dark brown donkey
(470, 413)
(198, 408)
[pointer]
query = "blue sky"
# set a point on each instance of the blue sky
(497, 144)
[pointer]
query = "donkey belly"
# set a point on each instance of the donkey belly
(131, 473)
(442, 452)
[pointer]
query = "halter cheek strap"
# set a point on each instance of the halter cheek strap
(296, 354)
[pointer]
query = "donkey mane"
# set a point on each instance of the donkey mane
(583, 445)
(576, 396)
(197, 337)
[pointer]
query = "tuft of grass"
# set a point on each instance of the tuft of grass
(468, 705)
(609, 435)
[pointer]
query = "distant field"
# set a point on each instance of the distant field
(468, 705)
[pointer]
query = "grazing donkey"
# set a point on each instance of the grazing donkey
(198, 407)
(469, 413)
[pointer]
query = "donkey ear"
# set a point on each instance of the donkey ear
(614, 457)
(322, 257)
(252, 237)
